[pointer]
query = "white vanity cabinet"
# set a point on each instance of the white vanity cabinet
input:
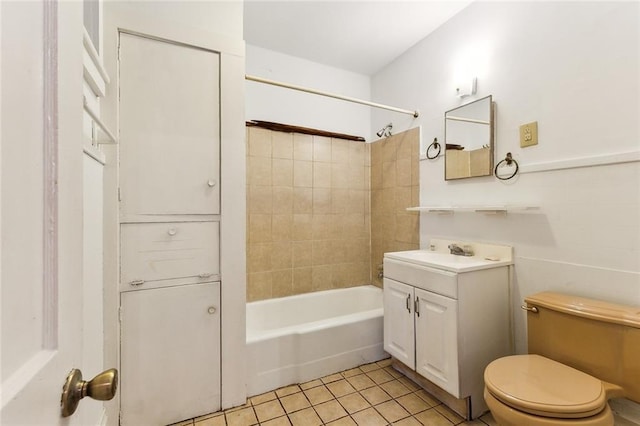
(446, 318)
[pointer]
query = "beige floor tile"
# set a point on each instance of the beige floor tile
(311, 384)
(265, 397)
(384, 362)
(395, 388)
(242, 417)
(432, 418)
(306, 417)
(369, 417)
(361, 381)
(294, 402)
(352, 372)
(215, 420)
(288, 390)
(345, 421)
(393, 372)
(340, 388)
(427, 397)
(330, 410)
(409, 421)
(369, 367)
(451, 415)
(332, 378)
(375, 395)
(380, 376)
(474, 423)
(488, 419)
(412, 403)
(392, 411)
(280, 421)
(183, 423)
(318, 395)
(269, 410)
(353, 403)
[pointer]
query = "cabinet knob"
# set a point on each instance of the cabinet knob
(211, 183)
(172, 231)
(211, 310)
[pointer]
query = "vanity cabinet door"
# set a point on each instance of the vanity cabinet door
(399, 338)
(437, 340)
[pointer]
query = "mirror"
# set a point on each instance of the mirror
(468, 135)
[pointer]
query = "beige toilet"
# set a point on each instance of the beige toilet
(582, 352)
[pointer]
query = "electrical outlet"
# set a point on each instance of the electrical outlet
(529, 134)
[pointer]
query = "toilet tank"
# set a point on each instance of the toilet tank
(599, 338)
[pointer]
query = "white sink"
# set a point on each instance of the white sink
(446, 261)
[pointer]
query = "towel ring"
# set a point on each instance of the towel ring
(434, 145)
(508, 159)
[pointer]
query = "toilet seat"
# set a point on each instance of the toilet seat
(543, 387)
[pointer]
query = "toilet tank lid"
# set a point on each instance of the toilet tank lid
(589, 308)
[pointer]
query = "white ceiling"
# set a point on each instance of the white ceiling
(359, 36)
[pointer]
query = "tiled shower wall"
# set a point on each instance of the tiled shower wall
(394, 187)
(308, 221)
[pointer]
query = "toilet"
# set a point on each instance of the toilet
(582, 352)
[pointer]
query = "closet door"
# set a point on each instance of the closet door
(170, 354)
(169, 128)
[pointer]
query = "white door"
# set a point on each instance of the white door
(437, 340)
(41, 210)
(399, 338)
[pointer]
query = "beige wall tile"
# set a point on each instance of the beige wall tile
(282, 145)
(282, 174)
(376, 153)
(376, 177)
(321, 175)
(259, 228)
(321, 277)
(282, 255)
(302, 227)
(321, 252)
(339, 200)
(259, 199)
(322, 149)
(338, 251)
(406, 228)
(356, 177)
(355, 226)
(259, 286)
(402, 199)
(302, 280)
(388, 205)
(302, 200)
(403, 172)
(282, 197)
(340, 150)
(389, 174)
(259, 142)
(321, 201)
(259, 257)
(282, 227)
(340, 175)
(302, 173)
(282, 283)
(340, 275)
(302, 253)
(302, 147)
(259, 171)
(356, 201)
(357, 153)
(389, 148)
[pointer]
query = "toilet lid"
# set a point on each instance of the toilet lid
(544, 387)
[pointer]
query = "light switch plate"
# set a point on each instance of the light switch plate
(529, 134)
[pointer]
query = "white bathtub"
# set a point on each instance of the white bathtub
(299, 338)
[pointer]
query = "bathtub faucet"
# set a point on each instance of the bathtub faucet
(459, 251)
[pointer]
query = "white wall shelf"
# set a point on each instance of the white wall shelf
(475, 209)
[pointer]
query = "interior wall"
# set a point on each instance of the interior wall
(308, 213)
(270, 103)
(394, 187)
(574, 69)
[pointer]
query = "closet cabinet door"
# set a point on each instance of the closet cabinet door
(437, 340)
(398, 322)
(170, 354)
(169, 128)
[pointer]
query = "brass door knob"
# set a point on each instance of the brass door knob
(102, 387)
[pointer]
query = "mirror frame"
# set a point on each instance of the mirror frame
(491, 125)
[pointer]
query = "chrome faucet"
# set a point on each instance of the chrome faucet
(459, 251)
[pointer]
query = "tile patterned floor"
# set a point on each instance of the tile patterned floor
(370, 395)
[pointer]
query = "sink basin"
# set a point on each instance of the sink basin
(446, 261)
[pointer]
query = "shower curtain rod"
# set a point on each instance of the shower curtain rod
(330, 95)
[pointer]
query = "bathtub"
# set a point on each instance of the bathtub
(299, 338)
